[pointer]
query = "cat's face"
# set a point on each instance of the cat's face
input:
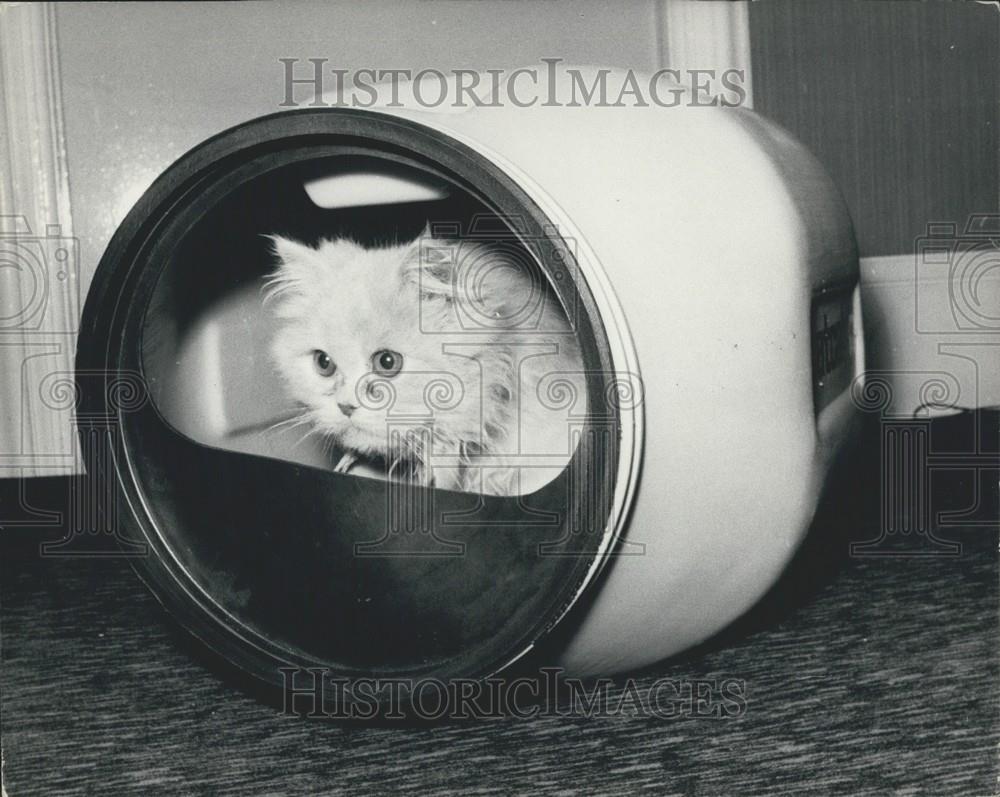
(353, 346)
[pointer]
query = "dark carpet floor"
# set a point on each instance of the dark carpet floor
(861, 675)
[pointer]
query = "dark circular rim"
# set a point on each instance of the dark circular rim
(124, 281)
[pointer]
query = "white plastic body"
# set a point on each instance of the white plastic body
(704, 235)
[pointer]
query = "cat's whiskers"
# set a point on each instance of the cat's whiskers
(287, 424)
(306, 436)
(306, 419)
(329, 444)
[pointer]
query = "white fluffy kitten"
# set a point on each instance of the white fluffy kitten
(446, 359)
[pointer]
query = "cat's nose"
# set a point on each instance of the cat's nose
(347, 409)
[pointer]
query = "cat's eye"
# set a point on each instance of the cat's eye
(387, 363)
(324, 365)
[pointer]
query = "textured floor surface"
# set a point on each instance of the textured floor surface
(862, 675)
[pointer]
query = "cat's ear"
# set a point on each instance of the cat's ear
(295, 264)
(291, 253)
(420, 248)
(430, 264)
(424, 236)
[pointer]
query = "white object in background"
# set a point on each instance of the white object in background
(375, 184)
(932, 322)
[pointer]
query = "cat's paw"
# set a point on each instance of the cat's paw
(346, 463)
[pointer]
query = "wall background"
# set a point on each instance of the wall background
(145, 82)
(900, 101)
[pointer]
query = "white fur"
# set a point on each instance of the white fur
(469, 319)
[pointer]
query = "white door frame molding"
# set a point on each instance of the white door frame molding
(39, 266)
(706, 34)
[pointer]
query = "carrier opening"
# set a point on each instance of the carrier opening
(364, 316)
(262, 538)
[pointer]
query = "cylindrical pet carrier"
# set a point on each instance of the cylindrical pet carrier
(708, 271)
